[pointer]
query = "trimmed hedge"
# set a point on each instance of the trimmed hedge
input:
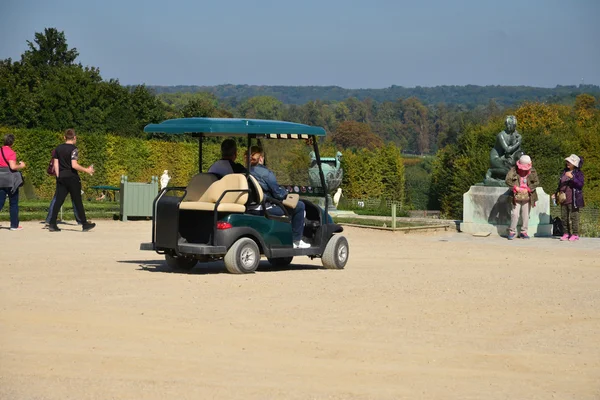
(112, 156)
(377, 173)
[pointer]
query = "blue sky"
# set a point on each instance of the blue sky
(353, 44)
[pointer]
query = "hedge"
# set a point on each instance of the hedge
(377, 173)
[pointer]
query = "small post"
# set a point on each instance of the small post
(61, 214)
(393, 216)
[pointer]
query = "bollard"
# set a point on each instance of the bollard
(393, 216)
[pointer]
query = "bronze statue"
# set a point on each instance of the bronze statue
(505, 153)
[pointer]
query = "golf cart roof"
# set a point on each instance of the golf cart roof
(235, 126)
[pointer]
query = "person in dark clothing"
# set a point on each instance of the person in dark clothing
(66, 165)
(77, 217)
(570, 193)
(227, 165)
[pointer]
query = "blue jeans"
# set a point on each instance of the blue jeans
(13, 200)
(77, 217)
(297, 219)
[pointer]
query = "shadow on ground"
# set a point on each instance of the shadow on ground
(215, 267)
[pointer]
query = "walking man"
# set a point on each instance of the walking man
(66, 165)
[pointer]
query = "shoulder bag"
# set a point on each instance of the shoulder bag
(17, 175)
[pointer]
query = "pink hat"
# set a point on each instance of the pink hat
(524, 163)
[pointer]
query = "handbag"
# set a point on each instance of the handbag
(522, 196)
(561, 197)
(50, 170)
(18, 177)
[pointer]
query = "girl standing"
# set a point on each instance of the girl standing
(570, 196)
(523, 180)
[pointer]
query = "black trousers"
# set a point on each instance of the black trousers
(64, 186)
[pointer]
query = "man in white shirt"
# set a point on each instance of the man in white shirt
(227, 165)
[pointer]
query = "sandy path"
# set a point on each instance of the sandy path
(446, 316)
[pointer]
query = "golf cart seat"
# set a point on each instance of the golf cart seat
(198, 186)
(233, 201)
(257, 195)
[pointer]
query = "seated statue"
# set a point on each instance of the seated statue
(505, 153)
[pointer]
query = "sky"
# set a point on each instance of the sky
(347, 43)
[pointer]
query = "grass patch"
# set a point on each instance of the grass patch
(37, 210)
(374, 222)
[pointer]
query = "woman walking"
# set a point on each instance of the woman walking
(10, 180)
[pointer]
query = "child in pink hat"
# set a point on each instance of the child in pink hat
(523, 180)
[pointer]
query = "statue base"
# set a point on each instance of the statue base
(487, 209)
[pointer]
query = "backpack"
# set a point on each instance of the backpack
(50, 170)
(557, 227)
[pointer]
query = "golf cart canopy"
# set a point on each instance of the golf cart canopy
(236, 126)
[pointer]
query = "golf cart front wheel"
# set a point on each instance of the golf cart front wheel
(243, 257)
(336, 253)
(180, 263)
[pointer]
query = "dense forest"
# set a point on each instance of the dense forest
(443, 133)
(469, 95)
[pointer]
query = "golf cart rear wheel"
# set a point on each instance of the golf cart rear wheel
(243, 257)
(280, 261)
(336, 253)
(180, 263)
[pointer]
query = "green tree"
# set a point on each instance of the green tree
(47, 89)
(392, 172)
(50, 49)
(199, 107)
(261, 107)
(417, 124)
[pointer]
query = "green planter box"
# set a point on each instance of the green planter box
(137, 197)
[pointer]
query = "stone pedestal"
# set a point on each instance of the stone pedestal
(487, 209)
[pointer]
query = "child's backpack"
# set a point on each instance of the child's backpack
(557, 227)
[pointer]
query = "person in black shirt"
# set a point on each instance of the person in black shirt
(227, 165)
(66, 165)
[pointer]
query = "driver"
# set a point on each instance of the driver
(267, 181)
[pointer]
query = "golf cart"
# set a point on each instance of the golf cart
(214, 218)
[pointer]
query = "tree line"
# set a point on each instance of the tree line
(469, 95)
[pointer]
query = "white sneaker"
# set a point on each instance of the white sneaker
(301, 245)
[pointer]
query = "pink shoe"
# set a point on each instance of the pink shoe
(17, 228)
(565, 237)
(573, 238)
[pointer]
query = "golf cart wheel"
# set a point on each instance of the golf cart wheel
(336, 253)
(280, 262)
(180, 263)
(243, 257)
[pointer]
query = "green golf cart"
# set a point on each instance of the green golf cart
(216, 218)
